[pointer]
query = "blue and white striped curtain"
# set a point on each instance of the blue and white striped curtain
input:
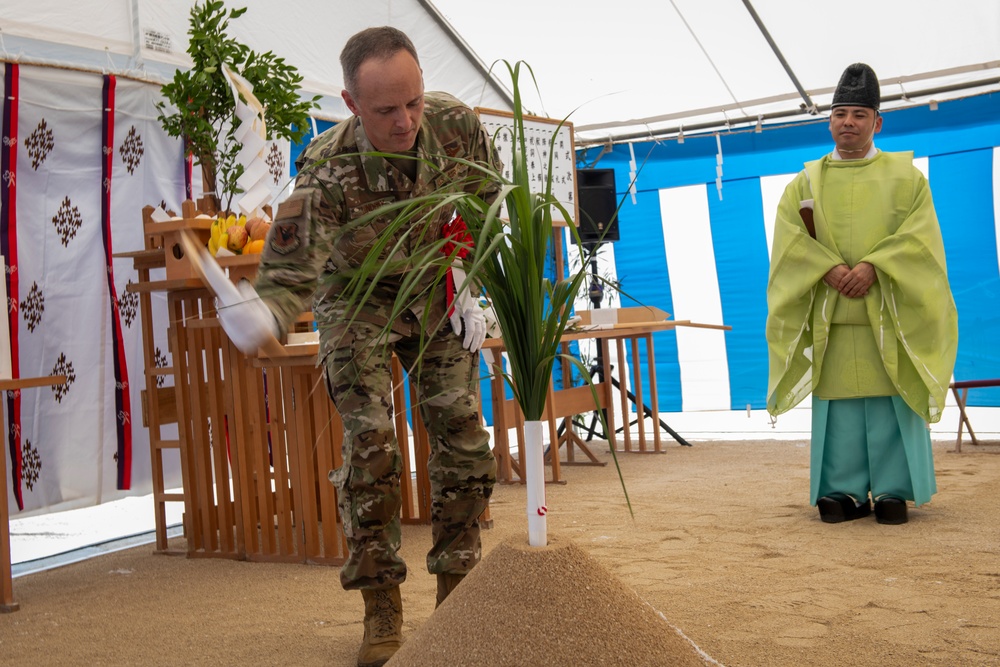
(704, 258)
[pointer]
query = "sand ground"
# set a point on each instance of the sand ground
(723, 543)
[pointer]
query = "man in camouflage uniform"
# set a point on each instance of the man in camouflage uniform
(312, 250)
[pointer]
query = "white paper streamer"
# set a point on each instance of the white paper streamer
(252, 133)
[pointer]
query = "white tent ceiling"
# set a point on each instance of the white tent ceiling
(642, 67)
(623, 69)
(147, 39)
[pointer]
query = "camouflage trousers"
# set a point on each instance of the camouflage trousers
(461, 464)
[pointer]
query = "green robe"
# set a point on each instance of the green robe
(877, 210)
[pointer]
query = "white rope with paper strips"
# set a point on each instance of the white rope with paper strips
(252, 135)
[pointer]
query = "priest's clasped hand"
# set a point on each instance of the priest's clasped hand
(852, 283)
(858, 280)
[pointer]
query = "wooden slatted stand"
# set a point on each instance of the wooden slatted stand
(159, 403)
(253, 452)
(256, 436)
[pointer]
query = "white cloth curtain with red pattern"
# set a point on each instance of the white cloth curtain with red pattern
(82, 154)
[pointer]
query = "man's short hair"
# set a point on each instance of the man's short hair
(382, 42)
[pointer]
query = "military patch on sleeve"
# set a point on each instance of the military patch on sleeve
(291, 208)
(285, 236)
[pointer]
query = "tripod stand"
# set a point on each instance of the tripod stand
(596, 293)
(597, 372)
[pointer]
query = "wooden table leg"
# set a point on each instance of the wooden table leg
(7, 603)
(654, 398)
(961, 396)
(501, 443)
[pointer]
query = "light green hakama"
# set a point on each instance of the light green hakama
(874, 445)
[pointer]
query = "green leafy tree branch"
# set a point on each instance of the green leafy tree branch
(199, 106)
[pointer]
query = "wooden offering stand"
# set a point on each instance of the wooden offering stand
(253, 487)
(256, 435)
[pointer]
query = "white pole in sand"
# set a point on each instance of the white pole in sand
(535, 481)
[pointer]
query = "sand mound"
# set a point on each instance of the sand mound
(550, 606)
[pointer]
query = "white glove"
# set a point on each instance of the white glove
(467, 309)
(246, 319)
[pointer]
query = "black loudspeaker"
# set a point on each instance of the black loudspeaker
(595, 197)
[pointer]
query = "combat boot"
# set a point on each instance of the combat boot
(383, 626)
(446, 584)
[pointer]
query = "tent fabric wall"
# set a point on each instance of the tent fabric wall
(147, 39)
(650, 68)
(77, 202)
(721, 277)
(85, 164)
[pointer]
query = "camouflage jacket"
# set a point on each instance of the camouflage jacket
(317, 240)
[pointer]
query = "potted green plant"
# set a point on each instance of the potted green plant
(200, 107)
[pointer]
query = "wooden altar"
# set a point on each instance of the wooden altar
(256, 436)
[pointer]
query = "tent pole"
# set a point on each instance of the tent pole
(810, 106)
(467, 50)
(789, 116)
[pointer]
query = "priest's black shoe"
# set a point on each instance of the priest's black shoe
(890, 510)
(838, 507)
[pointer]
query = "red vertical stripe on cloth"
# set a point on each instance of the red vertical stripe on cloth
(123, 407)
(8, 247)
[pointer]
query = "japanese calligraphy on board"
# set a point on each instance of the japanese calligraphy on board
(544, 138)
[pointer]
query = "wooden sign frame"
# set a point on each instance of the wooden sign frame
(542, 135)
